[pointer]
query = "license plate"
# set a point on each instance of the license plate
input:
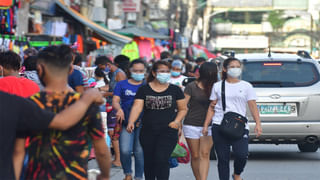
(277, 109)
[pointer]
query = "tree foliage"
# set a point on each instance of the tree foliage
(276, 19)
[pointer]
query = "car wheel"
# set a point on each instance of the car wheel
(213, 154)
(308, 147)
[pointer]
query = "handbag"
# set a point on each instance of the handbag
(233, 124)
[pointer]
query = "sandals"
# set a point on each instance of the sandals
(128, 178)
(233, 177)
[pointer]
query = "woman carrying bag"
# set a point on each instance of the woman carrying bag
(197, 95)
(164, 108)
(229, 99)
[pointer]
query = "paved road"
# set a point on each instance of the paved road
(266, 162)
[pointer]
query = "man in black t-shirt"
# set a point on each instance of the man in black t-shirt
(18, 115)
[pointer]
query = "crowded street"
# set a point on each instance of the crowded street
(159, 89)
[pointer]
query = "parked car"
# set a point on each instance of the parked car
(288, 90)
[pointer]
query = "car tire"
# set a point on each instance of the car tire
(213, 154)
(308, 147)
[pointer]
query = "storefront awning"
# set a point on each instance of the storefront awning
(139, 32)
(108, 35)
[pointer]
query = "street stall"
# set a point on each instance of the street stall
(144, 44)
(96, 39)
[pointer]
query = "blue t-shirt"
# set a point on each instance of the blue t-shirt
(126, 92)
(75, 79)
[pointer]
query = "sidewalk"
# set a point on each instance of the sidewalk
(183, 171)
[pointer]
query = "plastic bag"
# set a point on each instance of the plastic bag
(173, 162)
(185, 159)
(178, 151)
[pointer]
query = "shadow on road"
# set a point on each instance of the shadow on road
(281, 152)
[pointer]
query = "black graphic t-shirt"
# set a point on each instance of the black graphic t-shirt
(160, 108)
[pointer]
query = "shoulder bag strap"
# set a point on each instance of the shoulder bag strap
(223, 95)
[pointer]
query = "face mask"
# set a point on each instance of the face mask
(163, 77)
(175, 73)
(234, 72)
(137, 76)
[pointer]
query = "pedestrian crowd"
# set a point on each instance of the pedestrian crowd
(55, 116)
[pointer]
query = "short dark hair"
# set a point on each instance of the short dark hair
(10, 60)
(121, 59)
(137, 61)
(200, 59)
(77, 59)
(122, 62)
(165, 55)
(30, 63)
(100, 73)
(102, 60)
(57, 56)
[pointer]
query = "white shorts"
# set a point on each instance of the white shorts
(194, 132)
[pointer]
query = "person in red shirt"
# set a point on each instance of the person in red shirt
(11, 82)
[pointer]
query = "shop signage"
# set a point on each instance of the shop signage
(131, 5)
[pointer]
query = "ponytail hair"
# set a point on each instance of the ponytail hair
(208, 76)
(100, 73)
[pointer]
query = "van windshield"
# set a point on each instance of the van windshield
(280, 74)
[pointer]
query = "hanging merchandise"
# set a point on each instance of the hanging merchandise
(8, 14)
(56, 27)
(145, 49)
(131, 50)
(19, 44)
(80, 44)
(6, 3)
(15, 44)
(157, 50)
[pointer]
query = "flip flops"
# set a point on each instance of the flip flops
(116, 167)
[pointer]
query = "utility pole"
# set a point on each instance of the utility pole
(311, 33)
(206, 22)
(140, 18)
(192, 7)
(110, 8)
(22, 20)
(172, 13)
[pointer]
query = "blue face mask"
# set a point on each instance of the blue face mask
(175, 73)
(163, 77)
(137, 76)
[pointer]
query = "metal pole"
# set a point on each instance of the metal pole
(311, 33)
(206, 23)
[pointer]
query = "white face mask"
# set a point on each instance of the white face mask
(234, 72)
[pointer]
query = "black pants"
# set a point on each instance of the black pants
(222, 147)
(157, 148)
